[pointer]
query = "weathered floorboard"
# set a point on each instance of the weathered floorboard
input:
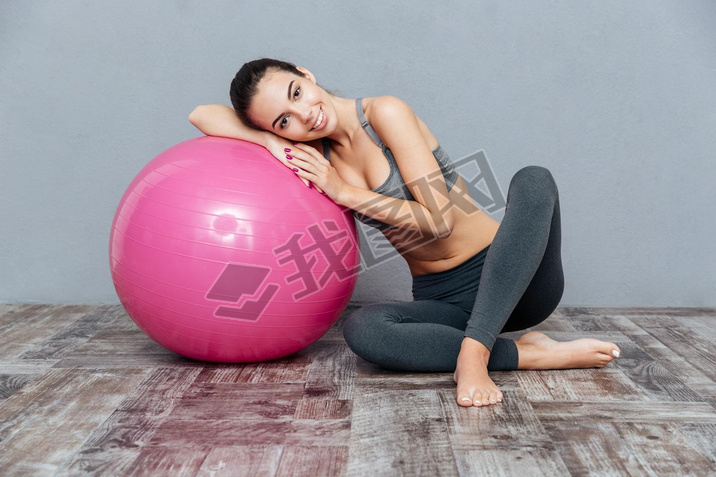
(84, 391)
(416, 441)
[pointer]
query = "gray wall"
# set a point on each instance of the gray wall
(616, 98)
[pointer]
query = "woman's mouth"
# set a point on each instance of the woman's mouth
(320, 121)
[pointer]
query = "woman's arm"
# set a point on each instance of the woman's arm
(220, 120)
(403, 214)
(397, 125)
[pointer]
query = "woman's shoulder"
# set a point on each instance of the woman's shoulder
(380, 107)
(386, 113)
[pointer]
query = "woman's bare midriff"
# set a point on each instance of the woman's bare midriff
(473, 230)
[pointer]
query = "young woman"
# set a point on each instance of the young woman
(473, 277)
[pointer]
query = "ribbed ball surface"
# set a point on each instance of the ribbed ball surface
(220, 253)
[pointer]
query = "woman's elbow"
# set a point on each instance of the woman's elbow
(196, 114)
(444, 233)
(446, 224)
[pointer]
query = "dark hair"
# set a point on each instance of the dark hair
(245, 85)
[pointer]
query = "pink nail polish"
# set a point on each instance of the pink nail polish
(289, 157)
(295, 170)
(286, 149)
(295, 143)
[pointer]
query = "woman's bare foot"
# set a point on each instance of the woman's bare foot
(538, 351)
(474, 387)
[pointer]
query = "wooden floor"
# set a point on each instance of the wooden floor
(83, 391)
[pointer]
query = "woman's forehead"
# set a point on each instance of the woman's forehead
(274, 91)
(276, 88)
(276, 81)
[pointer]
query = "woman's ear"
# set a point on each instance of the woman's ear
(306, 73)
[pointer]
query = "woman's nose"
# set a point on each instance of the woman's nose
(307, 115)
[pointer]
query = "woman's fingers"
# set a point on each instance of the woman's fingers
(312, 152)
(308, 161)
(281, 151)
(303, 161)
(291, 161)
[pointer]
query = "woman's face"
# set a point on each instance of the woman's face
(289, 106)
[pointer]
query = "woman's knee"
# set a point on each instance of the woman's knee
(363, 328)
(536, 181)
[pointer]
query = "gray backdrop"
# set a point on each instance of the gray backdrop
(615, 98)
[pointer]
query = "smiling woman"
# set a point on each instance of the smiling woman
(245, 91)
(473, 278)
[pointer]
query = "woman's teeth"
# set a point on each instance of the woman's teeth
(319, 121)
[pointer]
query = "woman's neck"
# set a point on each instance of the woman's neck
(348, 122)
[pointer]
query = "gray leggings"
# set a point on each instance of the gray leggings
(514, 283)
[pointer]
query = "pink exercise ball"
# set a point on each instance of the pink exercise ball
(221, 253)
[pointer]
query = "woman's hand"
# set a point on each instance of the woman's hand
(313, 166)
(278, 146)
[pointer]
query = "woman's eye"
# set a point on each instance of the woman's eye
(295, 95)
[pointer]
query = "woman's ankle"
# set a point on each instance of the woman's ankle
(475, 349)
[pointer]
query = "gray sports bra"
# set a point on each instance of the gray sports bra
(394, 185)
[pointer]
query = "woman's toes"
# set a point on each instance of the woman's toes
(611, 350)
(464, 401)
(482, 399)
